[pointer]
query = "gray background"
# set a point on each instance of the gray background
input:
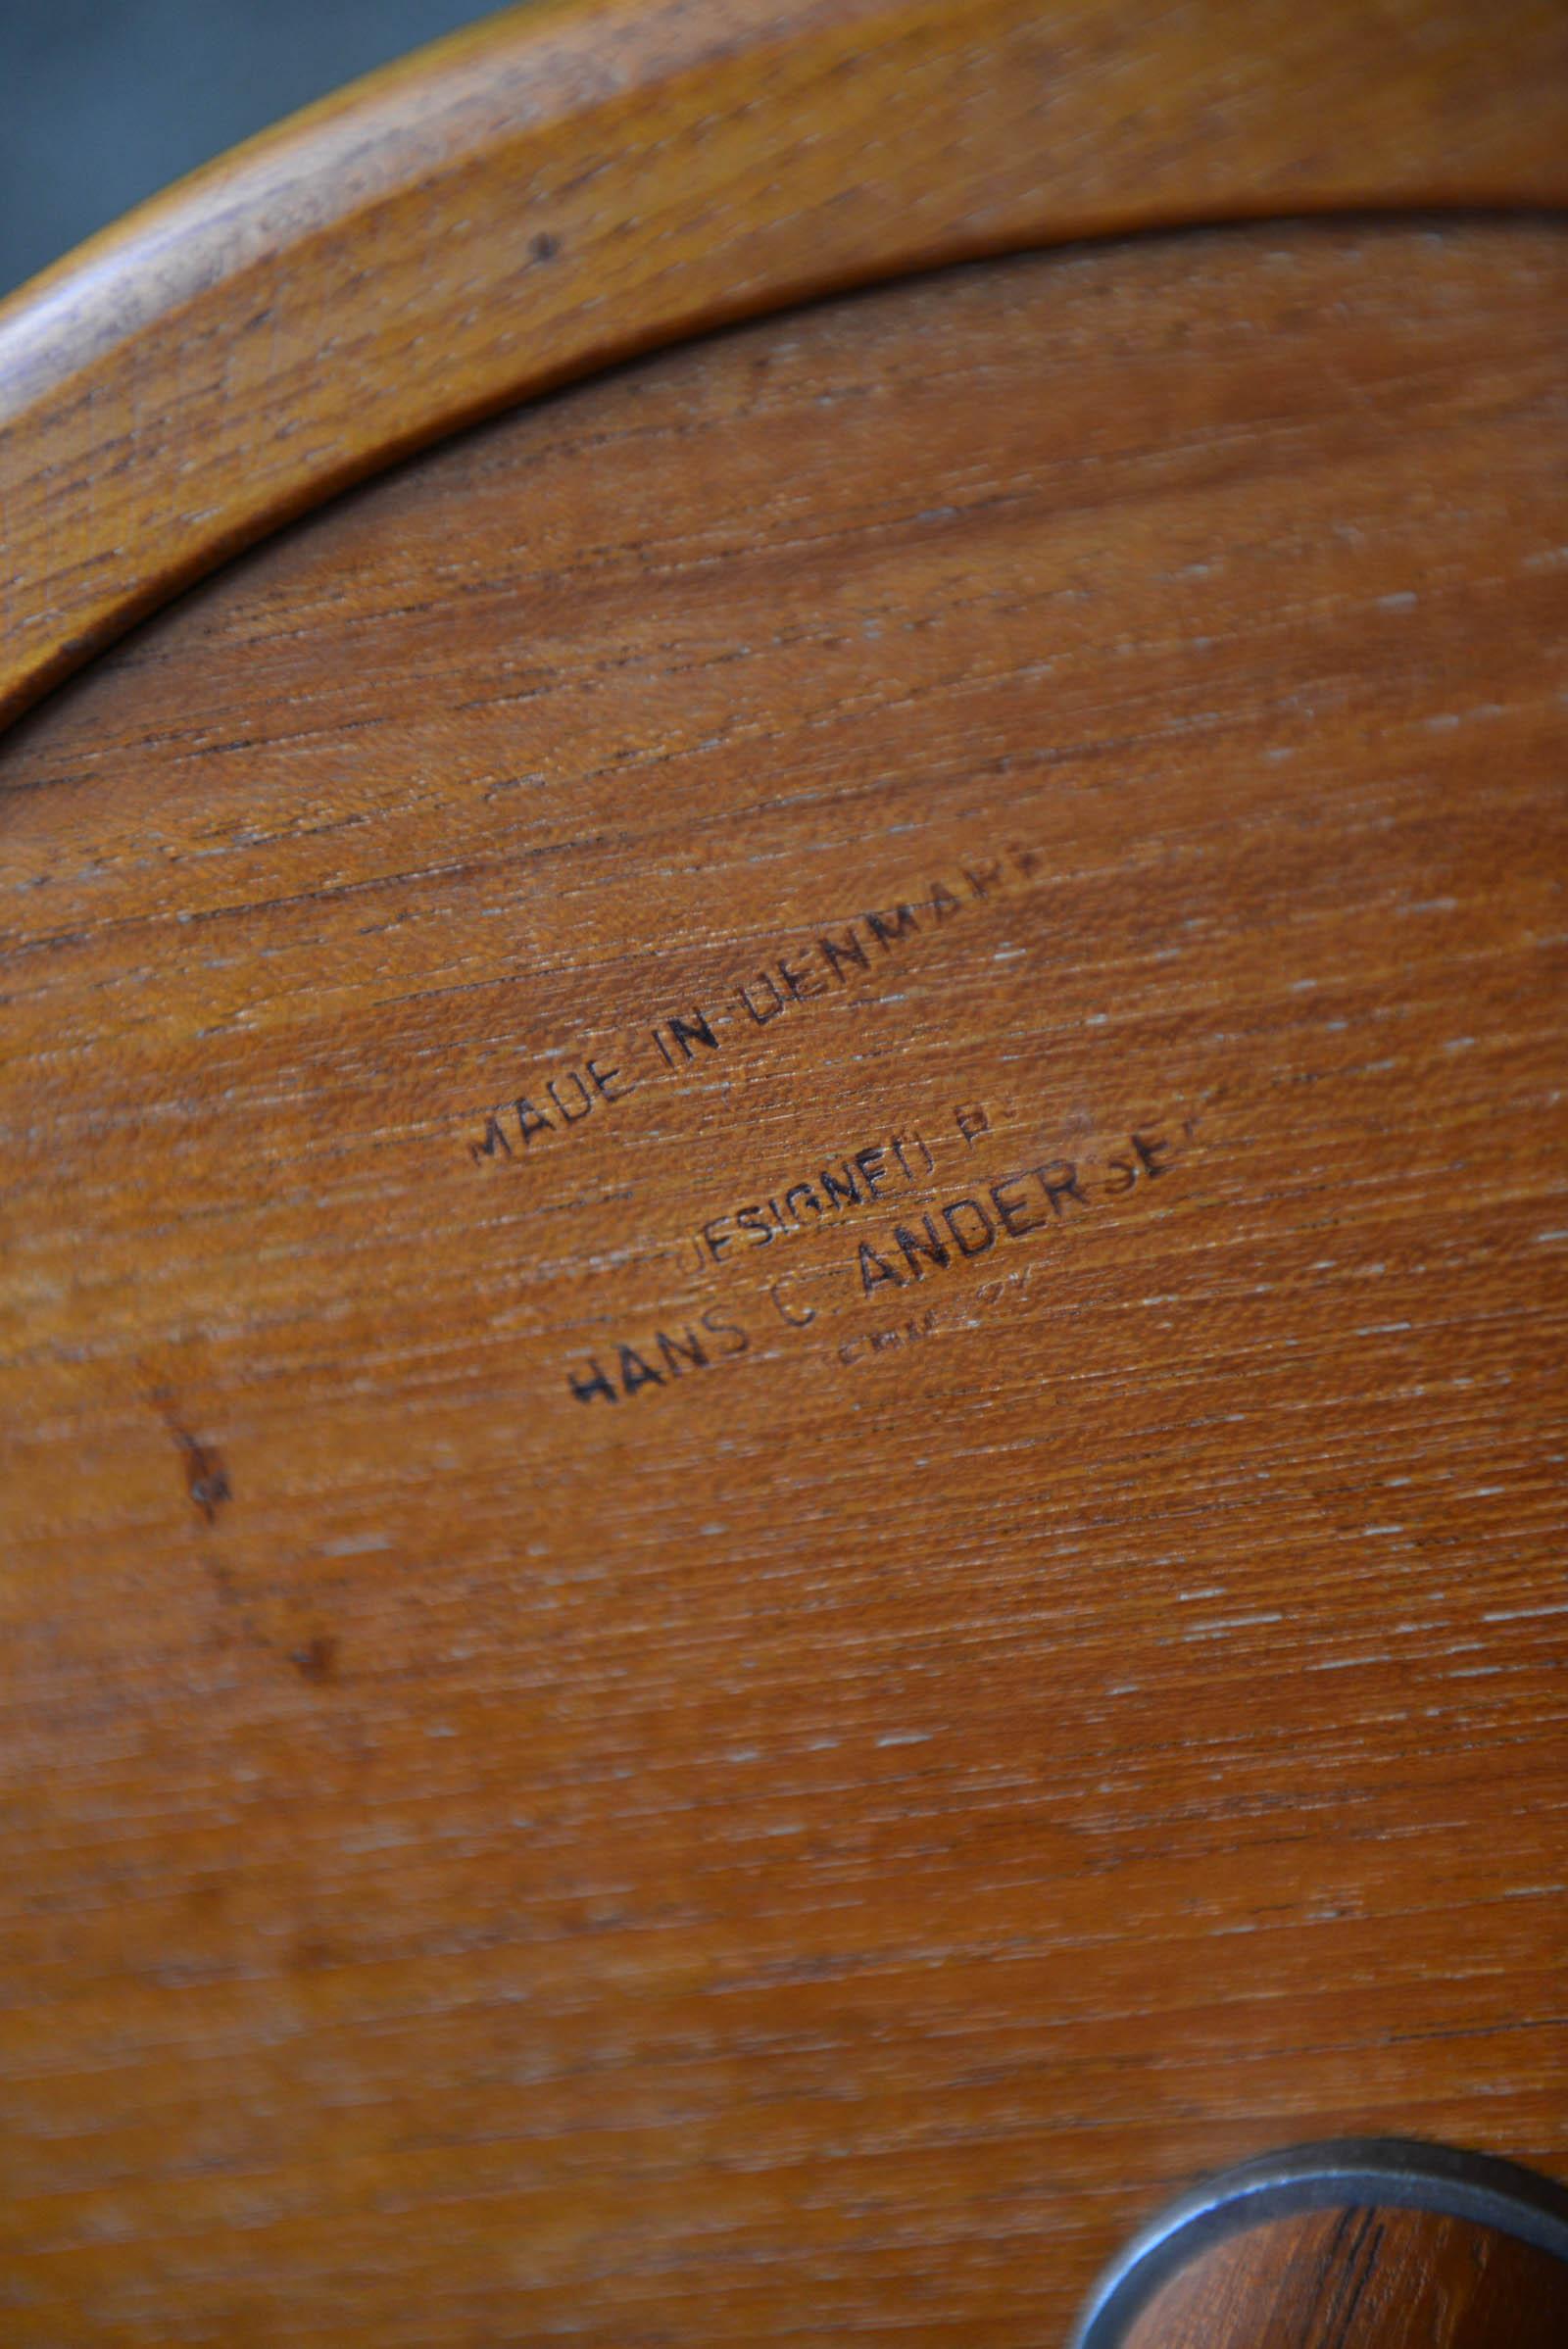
(105, 101)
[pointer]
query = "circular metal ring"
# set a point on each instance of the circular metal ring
(1390, 2173)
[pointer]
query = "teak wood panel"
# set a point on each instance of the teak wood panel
(518, 1834)
(565, 186)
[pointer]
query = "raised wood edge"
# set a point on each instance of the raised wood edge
(568, 185)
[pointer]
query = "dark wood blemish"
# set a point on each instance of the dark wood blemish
(316, 1660)
(206, 1477)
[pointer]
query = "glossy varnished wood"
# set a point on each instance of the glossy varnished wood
(815, 1847)
(1362, 2280)
(565, 186)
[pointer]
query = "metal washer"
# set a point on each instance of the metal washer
(1388, 2172)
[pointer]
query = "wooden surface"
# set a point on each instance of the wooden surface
(1362, 2280)
(814, 1844)
(566, 185)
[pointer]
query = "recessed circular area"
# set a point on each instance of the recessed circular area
(786, 1155)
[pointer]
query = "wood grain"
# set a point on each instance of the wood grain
(565, 185)
(1362, 2280)
(814, 1844)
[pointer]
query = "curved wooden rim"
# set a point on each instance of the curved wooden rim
(568, 185)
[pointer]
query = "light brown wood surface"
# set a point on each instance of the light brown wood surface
(814, 1847)
(1362, 2280)
(565, 185)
